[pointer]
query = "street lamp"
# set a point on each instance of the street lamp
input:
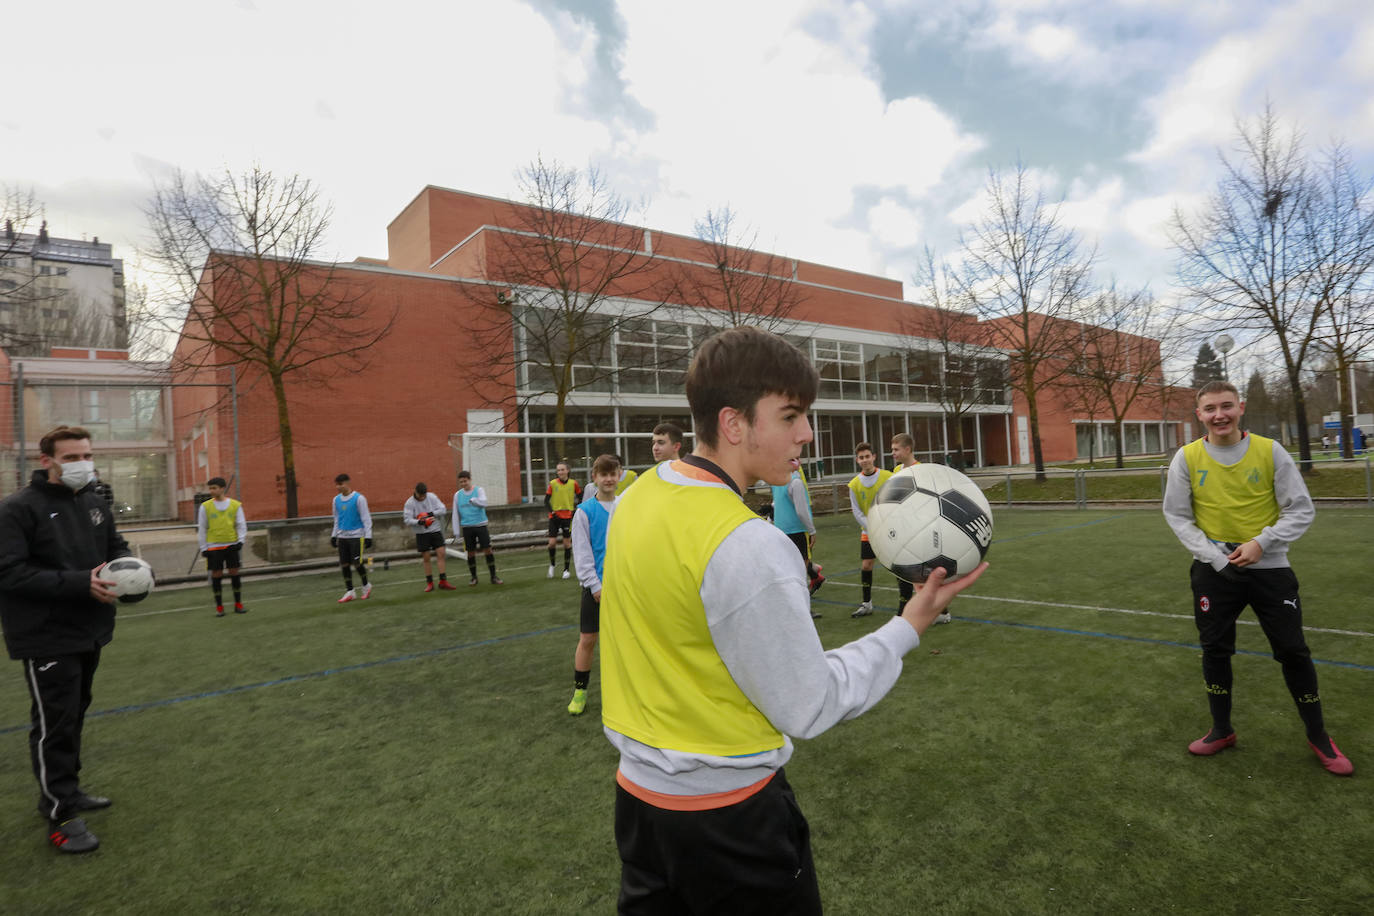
(1224, 345)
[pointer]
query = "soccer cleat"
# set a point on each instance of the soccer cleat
(578, 704)
(1204, 748)
(429, 586)
(239, 608)
(816, 582)
(83, 802)
(348, 596)
(72, 836)
(944, 618)
(497, 580)
(550, 575)
(1339, 765)
(863, 610)
(472, 582)
(566, 574)
(219, 610)
(443, 583)
(367, 591)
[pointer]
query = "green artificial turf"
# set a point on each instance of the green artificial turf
(412, 752)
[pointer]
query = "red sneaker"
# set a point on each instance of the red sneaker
(1340, 765)
(1204, 748)
(219, 610)
(429, 586)
(443, 583)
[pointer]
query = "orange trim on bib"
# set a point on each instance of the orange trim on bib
(690, 802)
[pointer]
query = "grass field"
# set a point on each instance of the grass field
(412, 752)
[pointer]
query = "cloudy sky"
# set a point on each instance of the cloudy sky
(849, 133)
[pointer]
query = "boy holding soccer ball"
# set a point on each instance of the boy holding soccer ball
(423, 512)
(57, 615)
(710, 663)
(1236, 501)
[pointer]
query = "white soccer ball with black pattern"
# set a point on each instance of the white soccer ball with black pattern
(133, 578)
(929, 516)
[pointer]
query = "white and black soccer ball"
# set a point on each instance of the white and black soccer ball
(929, 516)
(132, 576)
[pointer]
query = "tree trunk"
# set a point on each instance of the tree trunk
(1035, 440)
(1347, 406)
(1120, 444)
(288, 445)
(1304, 437)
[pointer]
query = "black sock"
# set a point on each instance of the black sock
(472, 566)
(237, 584)
(491, 566)
(567, 557)
(553, 555)
(362, 573)
(217, 586)
(443, 577)
(581, 679)
(906, 590)
(429, 579)
(348, 578)
(866, 576)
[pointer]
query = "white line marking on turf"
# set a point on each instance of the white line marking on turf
(1117, 610)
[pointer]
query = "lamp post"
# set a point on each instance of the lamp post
(1224, 344)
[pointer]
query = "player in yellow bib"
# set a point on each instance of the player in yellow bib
(863, 492)
(710, 664)
(561, 498)
(222, 530)
(1236, 501)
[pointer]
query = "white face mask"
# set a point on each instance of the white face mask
(76, 474)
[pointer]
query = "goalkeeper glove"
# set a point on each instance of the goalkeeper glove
(367, 542)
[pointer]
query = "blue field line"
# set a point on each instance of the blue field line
(139, 707)
(1142, 639)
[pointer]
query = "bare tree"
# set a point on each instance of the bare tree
(1119, 361)
(569, 278)
(1338, 228)
(240, 253)
(1027, 276)
(1244, 259)
(954, 337)
(740, 285)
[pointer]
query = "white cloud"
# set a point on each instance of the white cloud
(895, 224)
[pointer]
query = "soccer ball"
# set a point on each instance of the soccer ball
(133, 578)
(927, 516)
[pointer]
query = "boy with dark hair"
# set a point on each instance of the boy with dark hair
(561, 500)
(710, 662)
(423, 513)
(863, 491)
(222, 530)
(352, 535)
(470, 517)
(667, 442)
(1236, 501)
(589, 528)
(57, 614)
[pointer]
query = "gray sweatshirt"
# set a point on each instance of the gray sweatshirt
(1295, 507)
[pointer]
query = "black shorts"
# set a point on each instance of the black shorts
(476, 537)
(691, 861)
(350, 550)
(866, 550)
(557, 525)
(426, 541)
(590, 621)
(224, 557)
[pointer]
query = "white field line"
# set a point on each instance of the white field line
(1244, 621)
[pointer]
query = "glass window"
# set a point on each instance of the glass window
(885, 373)
(1152, 440)
(923, 375)
(1133, 439)
(840, 365)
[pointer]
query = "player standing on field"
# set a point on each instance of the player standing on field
(589, 528)
(352, 534)
(561, 500)
(470, 517)
(863, 490)
(424, 513)
(710, 664)
(792, 515)
(1236, 501)
(223, 530)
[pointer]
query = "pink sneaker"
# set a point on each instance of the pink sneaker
(1204, 748)
(1340, 765)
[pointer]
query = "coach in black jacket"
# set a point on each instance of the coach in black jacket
(57, 614)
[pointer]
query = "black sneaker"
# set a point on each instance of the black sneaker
(83, 802)
(72, 836)
(472, 581)
(497, 580)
